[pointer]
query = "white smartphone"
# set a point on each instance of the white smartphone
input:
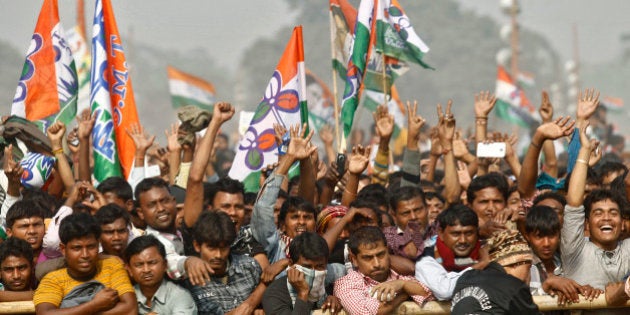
(491, 150)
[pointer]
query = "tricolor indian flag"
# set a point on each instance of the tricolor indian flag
(512, 104)
(614, 104)
(343, 18)
(47, 90)
(187, 89)
(284, 103)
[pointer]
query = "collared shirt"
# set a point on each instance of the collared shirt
(174, 246)
(217, 297)
(168, 299)
(539, 274)
(397, 239)
(353, 291)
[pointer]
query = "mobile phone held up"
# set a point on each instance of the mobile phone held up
(341, 163)
(491, 150)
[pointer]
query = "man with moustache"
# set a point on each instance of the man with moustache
(146, 263)
(16, 270)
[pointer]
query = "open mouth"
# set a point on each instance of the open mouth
(300, 229)
(606, 228)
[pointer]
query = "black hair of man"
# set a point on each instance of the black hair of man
(249, 198)
(369, 204)
(109, 213)
(457, 214)
(24, 209)
(404, 194)
(600, 195)
(365, 235)
(78, 225)
(16, 247)
(293, 204)
(543, 221)
(215, 229)
(118, 186)
(141, 243)
(226, 185)
(428, 195)
(611, 167)
(308, 245)
(375, 193)
(148, 184)
(496, 180)
(45, 201)
(551, 195)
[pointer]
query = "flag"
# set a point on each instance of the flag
(526, 79)
(614, 104)
(111, 97)
(320, 102)
(343, 18)
(47, 89)
(284, 103)
(81, 53)
(512, 105)
(396, 36)
(187, 89)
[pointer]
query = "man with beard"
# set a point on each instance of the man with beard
(373, 288)
(89, 284)
(16, 270)
(146, 263)
(456, 251)
(229, 289)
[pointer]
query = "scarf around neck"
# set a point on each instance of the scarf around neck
(449, 262)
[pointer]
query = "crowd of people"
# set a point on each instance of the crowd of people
(363, 234)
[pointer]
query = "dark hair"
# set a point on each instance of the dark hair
(249, 198)
(17, 247)
(78, 225)
(24, 209)
(308, 245)
(455, 214)
(551, 195)
(610, 167)
(148, 184)
(293, 204)
(495, 180)
(542, 220)
(141, 243)
(215, 229)
(375, 193)
(365, 235)
(363, 203)
(431, 195)
(603, 194)
(43, 199)
(109, 213)
(118, 186)
(404, 194)
(226, 185)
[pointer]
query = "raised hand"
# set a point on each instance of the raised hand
(585, 142)
(140, 138)
(73, 141)
(546, 109)
(560, 127)
(171, 138)
(384, 122)
(280, 131)
(359, 159)
(436, 148)
(414, 124)
(55, 133)
(326, 134)
(588, 100)
(12, 169)
(322, 170)
(460, 147)
(484, 102)
(86, 123)
(299, 146)
(222, 112)
(446, 125)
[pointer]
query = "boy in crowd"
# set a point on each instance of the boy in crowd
(146, 263)
(89, 284)
(16, 270)
(25, 220)
(115, 223)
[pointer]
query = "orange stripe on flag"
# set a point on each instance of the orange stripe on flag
(292, 53)
(502, 75)
(176, 74)
(122, 100)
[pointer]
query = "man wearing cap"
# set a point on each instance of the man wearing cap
(502, 287)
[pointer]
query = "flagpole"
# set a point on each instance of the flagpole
(334, 77)
(384, 81)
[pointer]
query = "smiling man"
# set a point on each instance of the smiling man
(373, 288)
(146, 263)
(89, 284)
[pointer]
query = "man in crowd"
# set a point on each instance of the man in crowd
(487, 195)
(25, 220)
(373, 288)
(89, 284)
(406, 239)
(115, 224)
(146, 263)
(16, 270)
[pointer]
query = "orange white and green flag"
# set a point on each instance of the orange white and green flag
(284, 103)
(187, 89)
(47, 89)
(343, 19)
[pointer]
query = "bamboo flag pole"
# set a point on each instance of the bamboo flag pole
(334, 77)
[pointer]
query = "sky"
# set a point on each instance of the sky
(226, 28)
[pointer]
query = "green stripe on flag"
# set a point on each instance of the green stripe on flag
(180, 101)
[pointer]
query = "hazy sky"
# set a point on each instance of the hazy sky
(226, 28)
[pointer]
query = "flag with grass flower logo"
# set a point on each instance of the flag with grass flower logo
(284, 103)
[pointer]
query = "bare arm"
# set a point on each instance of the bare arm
(86, 123)
(384, 128)
(446, 132)
(174, 153)
(357, 163)
(12, 296)
(127, 305)
(484, 102)
(55, 133)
